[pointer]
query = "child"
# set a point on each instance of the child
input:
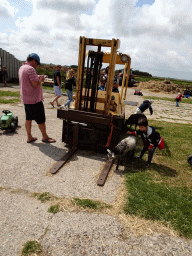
(150, 137)
(178, 98)
(5, 76)
(69, 85)
(101, 86)
(145, 105)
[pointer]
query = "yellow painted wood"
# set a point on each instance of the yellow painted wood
(111, 70)
(123, 81)
(102, 42)
(103, 97)
(107, 56)
(81, 61)
(127, 80)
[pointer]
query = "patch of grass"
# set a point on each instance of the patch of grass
(3, 94)
(46, 196)
(87, 203)
(9, 93)
(184, 100)
(54, 209)
(147, 78)
(160, 202)
(32, 247)
(52, 89)
(48, 88)
(164, 192)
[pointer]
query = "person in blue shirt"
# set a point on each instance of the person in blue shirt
(101, 86)
(150, 137)
(145, 105)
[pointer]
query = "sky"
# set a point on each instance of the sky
(157, 34)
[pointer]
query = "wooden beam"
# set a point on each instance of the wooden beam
(127, 80)
(80, 71)
(105, 172)
(102, 42)
(110, 78)
(123, 82)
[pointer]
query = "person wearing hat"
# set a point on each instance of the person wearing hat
(32, 97)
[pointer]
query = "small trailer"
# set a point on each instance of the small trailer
(95, 119)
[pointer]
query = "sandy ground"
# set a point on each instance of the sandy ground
(25, 170)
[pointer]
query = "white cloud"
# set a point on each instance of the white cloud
(6, 10)
(157, 37)
(68, 6)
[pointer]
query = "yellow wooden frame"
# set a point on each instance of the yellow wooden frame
(112, 58)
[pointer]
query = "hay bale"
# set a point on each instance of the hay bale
(166, 81)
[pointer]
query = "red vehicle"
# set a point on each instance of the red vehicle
(138, 93)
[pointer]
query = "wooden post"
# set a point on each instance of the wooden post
(80, 72)
(123, 82)
(127, 80)
(114, 46)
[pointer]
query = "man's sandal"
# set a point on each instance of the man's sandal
(49, 140)
(32, 140)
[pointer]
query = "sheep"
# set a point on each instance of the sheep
(124, 146)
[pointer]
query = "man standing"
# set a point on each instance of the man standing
(57, 85)
(32, 97)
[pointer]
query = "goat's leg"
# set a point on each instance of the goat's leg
(118, 163)
(132, 153)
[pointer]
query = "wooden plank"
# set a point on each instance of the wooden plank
(123, 82)
(96, 42)
(83, 117)
(106, 59)
(111, 75)
(63, 160)
(104, 174)
(80, 71)
(127, 80)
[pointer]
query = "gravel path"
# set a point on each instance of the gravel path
(25, 170)
(75, 233)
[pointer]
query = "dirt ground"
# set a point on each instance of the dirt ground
(25, 170)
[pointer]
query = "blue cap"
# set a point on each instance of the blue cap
(35, 57)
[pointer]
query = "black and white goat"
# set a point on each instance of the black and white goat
(133, 120)
(125, 146)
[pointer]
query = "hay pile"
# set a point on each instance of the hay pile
(160, 86)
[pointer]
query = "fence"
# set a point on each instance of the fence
(12, 65)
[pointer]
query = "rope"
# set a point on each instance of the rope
(111, 133)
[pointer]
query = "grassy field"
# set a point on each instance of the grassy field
(183, 100)
(8, 97)
(164, 192)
